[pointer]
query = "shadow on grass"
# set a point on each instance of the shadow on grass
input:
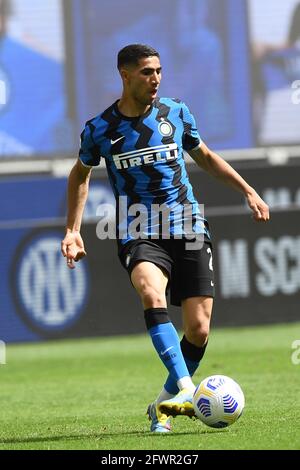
(186, 433)
(104, 435)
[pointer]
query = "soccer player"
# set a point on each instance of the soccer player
(142, 138)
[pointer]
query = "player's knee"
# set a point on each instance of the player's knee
(152, 297)
(198, 334)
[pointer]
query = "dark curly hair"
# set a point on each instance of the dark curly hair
(131, 54)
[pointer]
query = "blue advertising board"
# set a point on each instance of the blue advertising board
(40, 296)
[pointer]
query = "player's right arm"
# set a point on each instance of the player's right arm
(72, 246)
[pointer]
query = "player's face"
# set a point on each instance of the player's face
(143, 81)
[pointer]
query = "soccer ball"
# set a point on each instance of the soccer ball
(218, 401)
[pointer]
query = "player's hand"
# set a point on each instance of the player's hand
(72, 248)
(259, 208)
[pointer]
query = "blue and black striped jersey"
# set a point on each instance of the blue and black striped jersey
(145, 165)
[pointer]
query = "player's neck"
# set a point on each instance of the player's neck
(131, 108)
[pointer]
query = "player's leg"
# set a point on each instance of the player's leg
(150, 282)
(197, 313)
(193, 289)
(196, 322)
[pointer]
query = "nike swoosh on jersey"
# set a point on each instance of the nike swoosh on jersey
(117, 140)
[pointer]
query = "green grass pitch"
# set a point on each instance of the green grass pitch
(93, 393)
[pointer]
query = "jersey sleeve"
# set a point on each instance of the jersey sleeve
(191, 138)
(89, 153)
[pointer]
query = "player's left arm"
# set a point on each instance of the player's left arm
(216, 166)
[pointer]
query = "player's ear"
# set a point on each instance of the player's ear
(124, 72)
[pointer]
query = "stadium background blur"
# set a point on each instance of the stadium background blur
(236, 64)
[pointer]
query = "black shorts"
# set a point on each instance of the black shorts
(190, 271)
